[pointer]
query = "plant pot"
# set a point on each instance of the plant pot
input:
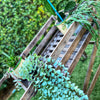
(62, 26)
(16, 71)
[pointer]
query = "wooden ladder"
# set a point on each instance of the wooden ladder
(67, 48)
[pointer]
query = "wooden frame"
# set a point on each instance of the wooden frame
(93, 81)
(64, 40)
(30, 91)
(86, 82)
(26, 52)
(37, 37)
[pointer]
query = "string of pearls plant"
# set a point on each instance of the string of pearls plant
(52, 84)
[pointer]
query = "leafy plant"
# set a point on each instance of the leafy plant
(83, 12)
(80, 11)
(51, 83)
(20, 21)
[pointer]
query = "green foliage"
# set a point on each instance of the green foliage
(20, 20)
(83, 12)
(80, 11)
(51, 83)
(70, 5)
(48, 7)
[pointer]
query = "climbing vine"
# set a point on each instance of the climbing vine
(51, 83)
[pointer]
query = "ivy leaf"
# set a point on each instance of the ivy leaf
(58, 71)
(44, 83)
(49, 82)
(52, 74)
(49, 59)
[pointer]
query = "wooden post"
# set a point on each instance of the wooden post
(86, 82)
(93, 81)
(29, 93)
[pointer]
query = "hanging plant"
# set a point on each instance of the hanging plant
(52, 84)
(79, 11)
(83, 12)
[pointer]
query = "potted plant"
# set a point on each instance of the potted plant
(77, 11)
(52, 84)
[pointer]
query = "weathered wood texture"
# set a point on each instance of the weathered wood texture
(93, 81)
(73, 46)
(80, 52)
(29, 93)
(86, 82)
(46, 39)
(53, 43)
(37, 37)
(71, 68)
(15, 78)
(7, 91)
(5, 77)
(64, 40)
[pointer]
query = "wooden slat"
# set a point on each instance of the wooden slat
(64, 40)
(15, 78)
(65, 49)
(71, 68)
(73, 46)
(45, 40)
(61, 55)
(93, 81)
(74, 62)
(86, 82)
(6, 92)
(5, 77)
(37, 37)
(51, 42)
(29, 93)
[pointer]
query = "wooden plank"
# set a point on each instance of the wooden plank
(65, 49)
(73, 46)
(50, 43)
(80, 52)
(93, 81)
(6, 92)
(74, 62)
(45, 40)
(29, 93)
(5, 77)
(64, 40)
(86, 82)
(15, 78)
(37, 37)
(61, 55)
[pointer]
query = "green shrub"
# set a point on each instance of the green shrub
(79, 11)
(20, 20)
